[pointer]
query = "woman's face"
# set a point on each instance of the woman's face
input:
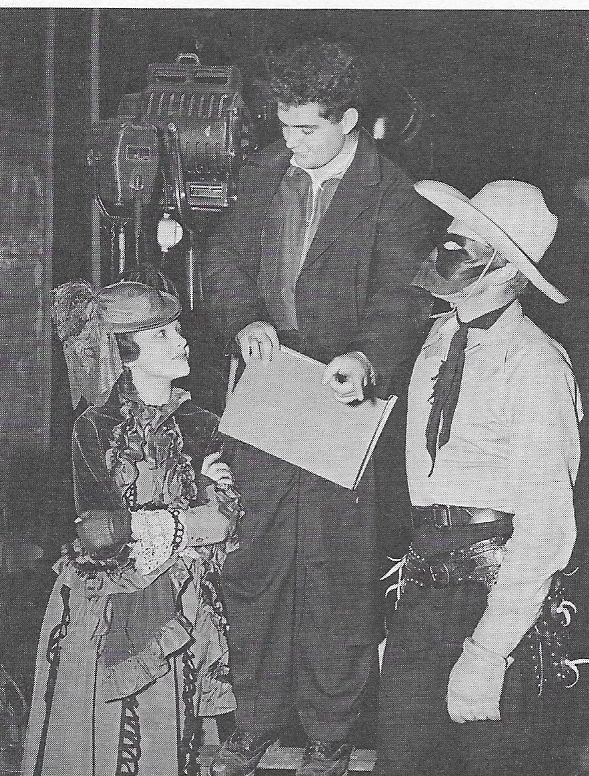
(163, 352)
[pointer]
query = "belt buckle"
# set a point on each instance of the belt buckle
(442, 516)
(440, 574)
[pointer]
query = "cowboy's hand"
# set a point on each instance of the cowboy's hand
(348, 376)
(258, 340)
(216, 470)
(475, 684)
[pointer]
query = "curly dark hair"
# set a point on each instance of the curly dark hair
(128, 348)
(125, 384)
(330, 74)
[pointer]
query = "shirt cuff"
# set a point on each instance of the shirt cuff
(367, 365)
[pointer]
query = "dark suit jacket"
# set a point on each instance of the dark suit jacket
(352, 294)
(353, 289)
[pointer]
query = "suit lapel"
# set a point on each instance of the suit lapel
(355, 193)
(259, 195)
(263, 195)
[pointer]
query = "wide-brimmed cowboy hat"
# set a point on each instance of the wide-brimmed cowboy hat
(510, 216)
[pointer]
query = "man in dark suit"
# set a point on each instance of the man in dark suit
(318, 254)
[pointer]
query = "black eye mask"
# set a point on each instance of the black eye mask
(457, 264)
(451, 267)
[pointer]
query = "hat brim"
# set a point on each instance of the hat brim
(456, 204)
(169, 310)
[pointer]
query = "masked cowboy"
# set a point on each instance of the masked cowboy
(492, 455)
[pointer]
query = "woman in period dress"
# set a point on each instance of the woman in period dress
(133, 649)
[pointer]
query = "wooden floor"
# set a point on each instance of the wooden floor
(284, 758)
(277, 758)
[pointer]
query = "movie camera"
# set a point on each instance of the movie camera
(177, 145)
(190, 124)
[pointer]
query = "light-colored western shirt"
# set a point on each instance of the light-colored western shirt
(514, 447)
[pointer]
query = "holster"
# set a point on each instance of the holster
(478, 563)
(546, 645)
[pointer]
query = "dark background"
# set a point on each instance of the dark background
(507, 88)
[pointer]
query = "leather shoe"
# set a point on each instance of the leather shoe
(325, 758)
(240, 754)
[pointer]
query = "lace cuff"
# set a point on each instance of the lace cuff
(157, 535)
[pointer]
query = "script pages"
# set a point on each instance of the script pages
(281, 407)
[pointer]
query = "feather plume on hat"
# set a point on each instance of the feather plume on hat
(72, 306)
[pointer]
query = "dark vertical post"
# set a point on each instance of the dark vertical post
(94, 115)
(48, 262)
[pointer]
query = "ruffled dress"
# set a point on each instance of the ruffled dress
(129, 660)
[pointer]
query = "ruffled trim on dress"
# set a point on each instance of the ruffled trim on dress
(139, 671)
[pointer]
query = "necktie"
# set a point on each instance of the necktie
(447, 384)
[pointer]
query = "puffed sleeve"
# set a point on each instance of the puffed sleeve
(104, 524)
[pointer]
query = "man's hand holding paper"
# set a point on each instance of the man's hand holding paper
(258, 340)
(348, 375)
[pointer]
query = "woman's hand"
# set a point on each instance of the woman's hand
(205, 524)
(216, 470)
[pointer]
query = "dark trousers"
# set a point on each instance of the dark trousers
(416, 734)
(301, 599)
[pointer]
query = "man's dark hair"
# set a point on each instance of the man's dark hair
(330, 74)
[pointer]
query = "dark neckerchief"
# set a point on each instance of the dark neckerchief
(447, 382)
